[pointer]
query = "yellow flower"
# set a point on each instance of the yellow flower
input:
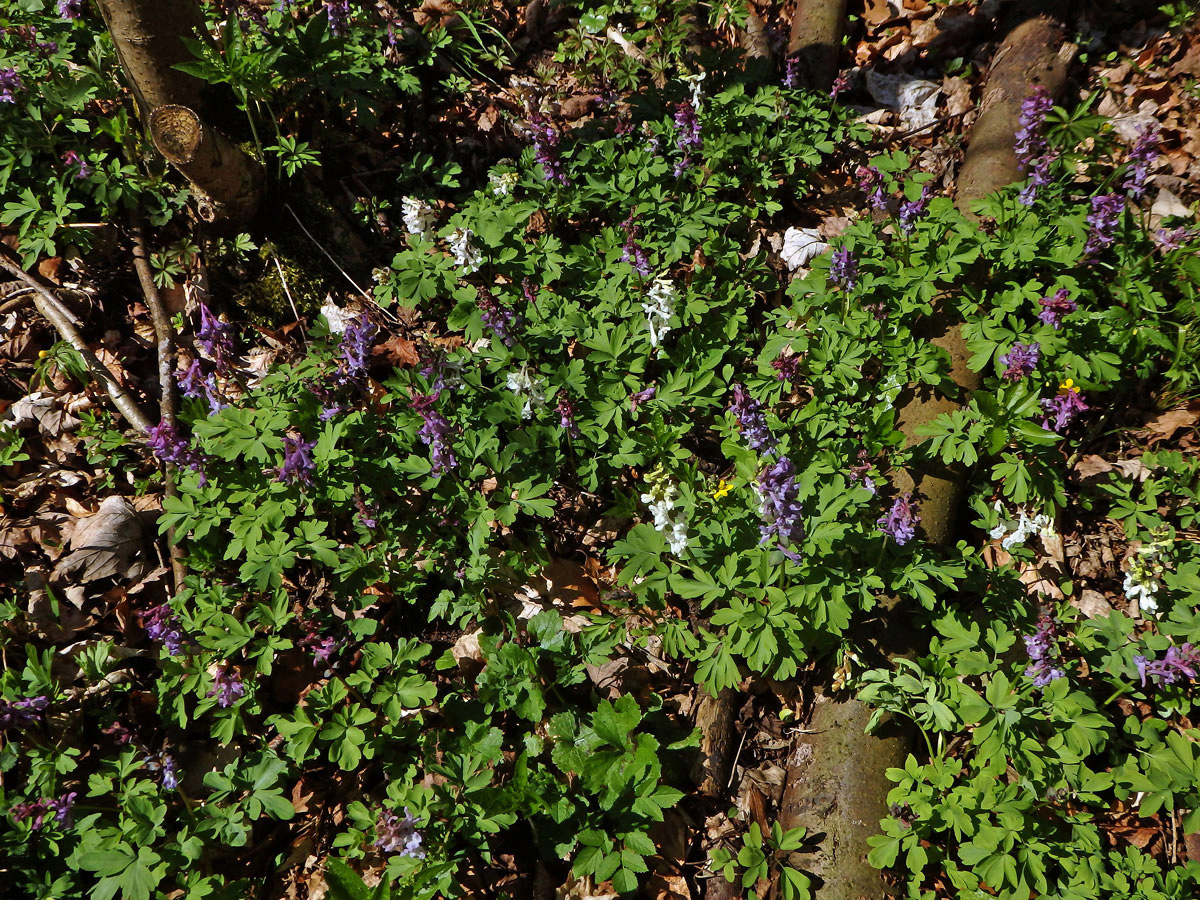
(1067, 386)
(722, 489)
(42, 354)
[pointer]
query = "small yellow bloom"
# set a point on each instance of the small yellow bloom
(42, 354)
(1067, 386)
(723, 488)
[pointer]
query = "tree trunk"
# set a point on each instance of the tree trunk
(146, 34)
(815, 41)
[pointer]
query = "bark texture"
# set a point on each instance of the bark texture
(228, 183)
(815, 40)
(146, 34)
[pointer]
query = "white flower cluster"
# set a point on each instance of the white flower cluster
(1014, 534)
(419, 217)
(503, 183)
(466, 254)
(694, 82)
(668, 518)
(1144, 577)
(527, 385)
(659, 307)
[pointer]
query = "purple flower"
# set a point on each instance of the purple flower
(83, 169)
(364, 513)
(751, 421)
(844, 269)
(870, 182)
(338, 12)
(227, 687)
(435, 432)
(39, 810)
(631, 252)
(545, 148)
(399, 836)
(1102, 222)
(900, 522)
(1021, 360)
(500, 320)
(212, 393)
(166, 444)
(687, 134)
(162, 625)
(1177, 663)
(1043, 653)
(215, 339)
(640, 397)
(70, 9)
(566, 415)
(10, 83)
(1056, 307)
(298, 464)
(356, 344)
(1064, 406)
(779, 505)
(1143, 154)
(911, 210)
(787, 368)
(791, 72)
(1173, 239)
(163, 764)
(1034, 155)
(840, 85)
(191, 380)
(21, 713)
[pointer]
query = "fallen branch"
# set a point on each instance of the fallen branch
(45, 299)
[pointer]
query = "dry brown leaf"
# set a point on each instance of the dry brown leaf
(1092, 465)
(399, 351)
(1171, 421)
(105, 545)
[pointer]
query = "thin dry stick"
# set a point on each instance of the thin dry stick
(168, 403)
(53, 311)
(321, 247)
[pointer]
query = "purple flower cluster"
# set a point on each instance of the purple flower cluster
(70, 9)
(1055, 308)
(41, 811)
(787, 368)
(22, 713)
(632, 252)
(82, 168)
(499, 320)
(687, 134)
(435, 432)
(364, 513)
(566, 415)
(194, 383)
(10, 83)
(1143, 154)
(791, 73)
(356, 344)
(162, 625)
(1177, 663)
(870, 182)
(841, 84)
(164, 765)
(911, 210)
(215, 339)
(1064, 406)
(545, 148)
(1043, 653)
(298, 464)
(166, 444)
(1021, 360)
(1173, 239)
(843, 269)
(338, 12)
(1102, 223)
(751, 421)
(637, 398)
(1033, 152)
(900, 522)
(227, 687)
(399, 835)
(780, 506)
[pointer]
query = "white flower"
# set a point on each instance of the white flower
(668, 518)
(801, 246)
(503, 183)
(693, 82)
(1021, 530)
(1141, 591)
(678, 538)
(528, 386)
(419, 217)
(466, 254)
(659, 307)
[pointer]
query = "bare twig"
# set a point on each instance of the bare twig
(168, 402)
(53, 311)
